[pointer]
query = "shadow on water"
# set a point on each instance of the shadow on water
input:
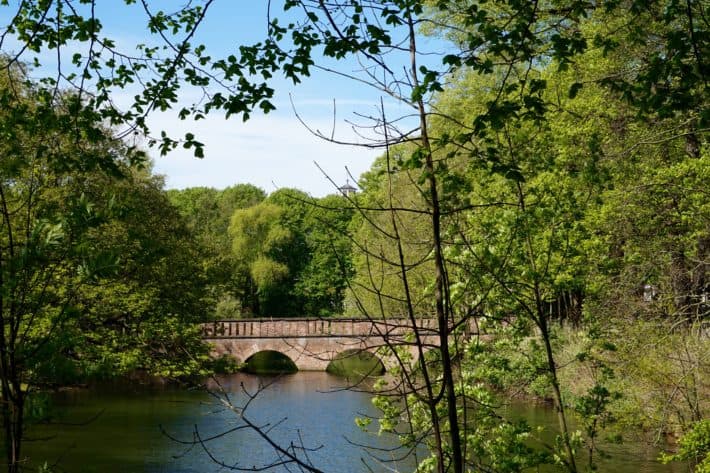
(308, 407)
(616, 457)
(356, 364)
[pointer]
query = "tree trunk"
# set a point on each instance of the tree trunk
(442, 306)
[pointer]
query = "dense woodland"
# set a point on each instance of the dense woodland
(555, 189)
(283, 255)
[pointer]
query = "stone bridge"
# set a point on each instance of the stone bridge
(313, 343)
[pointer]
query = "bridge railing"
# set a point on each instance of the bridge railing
(303, 327)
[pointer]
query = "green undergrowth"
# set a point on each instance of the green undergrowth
(647, 380)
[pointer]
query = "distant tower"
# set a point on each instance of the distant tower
(347, 190)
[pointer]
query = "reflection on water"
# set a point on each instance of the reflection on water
(308, 408)
(629, 457)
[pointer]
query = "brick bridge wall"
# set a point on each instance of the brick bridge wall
(313, 343)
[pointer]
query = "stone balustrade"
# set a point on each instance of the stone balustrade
(309, 327)
(313, 343)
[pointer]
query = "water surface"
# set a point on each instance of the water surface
(126, 428)
(135, 429)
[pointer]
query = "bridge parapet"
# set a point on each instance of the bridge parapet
(306, 327)
(313, 343)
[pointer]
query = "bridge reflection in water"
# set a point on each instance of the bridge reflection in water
(313, 343)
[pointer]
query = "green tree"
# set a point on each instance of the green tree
(44, 259)
(293, 253)
(318, 254)
(694, 447)
(376, 288)
(208, 212)
(87, 244)
(324, 278)
(145, 314)
(661, 74)
(259, 243)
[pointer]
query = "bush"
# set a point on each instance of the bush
(694, 447)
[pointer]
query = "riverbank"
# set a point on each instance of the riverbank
(646, 382)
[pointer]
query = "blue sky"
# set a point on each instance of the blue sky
(269, 151)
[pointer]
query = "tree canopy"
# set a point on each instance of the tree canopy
(556, 170)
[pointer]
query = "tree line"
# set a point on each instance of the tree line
(286, 254)
(556, 172)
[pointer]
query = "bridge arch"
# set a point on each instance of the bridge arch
(357, 362)
(313, 343)
(269, 361)
(408, 356)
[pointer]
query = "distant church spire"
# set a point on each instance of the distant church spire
(347, 190)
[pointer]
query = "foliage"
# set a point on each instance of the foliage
(557, 166)
(294, 253)
(87, 245)
(259, 242)
(135, 300)
(144, 315)
(694, 447)
(43, 257)
(533, 169)
(669, 76)
(208, 213)
(323, 280)
(666, 390)
(376, 289)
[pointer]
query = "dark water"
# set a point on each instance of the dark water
(132, 430)
(124, 429)
(625, 457)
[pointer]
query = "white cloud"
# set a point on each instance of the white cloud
(269, 151)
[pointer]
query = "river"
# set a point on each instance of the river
(128, 429)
